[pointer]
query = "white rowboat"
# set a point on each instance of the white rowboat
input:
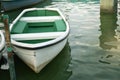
(38, 35)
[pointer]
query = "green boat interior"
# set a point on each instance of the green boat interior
(37, 27)
(41, 13)
(24, 27)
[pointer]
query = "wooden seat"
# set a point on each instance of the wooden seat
(40, 19)
(34, 36)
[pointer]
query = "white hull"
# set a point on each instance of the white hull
(38, 59)
(2, 43)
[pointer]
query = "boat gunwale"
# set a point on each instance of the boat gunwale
(39, 47)
(44, 44)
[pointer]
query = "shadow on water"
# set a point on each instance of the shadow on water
(107, 28)
(55, 70)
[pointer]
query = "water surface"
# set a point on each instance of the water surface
(93, 49)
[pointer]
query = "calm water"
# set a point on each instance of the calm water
(93, 48)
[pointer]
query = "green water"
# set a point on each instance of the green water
(93, 49)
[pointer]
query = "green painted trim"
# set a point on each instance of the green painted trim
(35, 41)
(9, 49)
(5, 17)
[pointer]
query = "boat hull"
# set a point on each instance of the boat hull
(2, 43)
(39, 58)
(11, 5)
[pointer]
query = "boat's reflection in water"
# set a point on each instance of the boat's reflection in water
(55, 70)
